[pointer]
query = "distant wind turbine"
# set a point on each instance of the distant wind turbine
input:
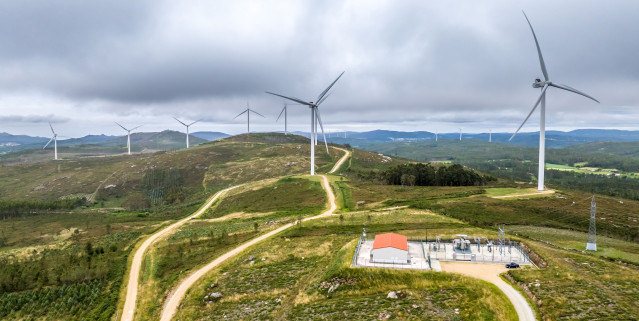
(285, 111)
(542, 98)
(460, 133)
(248, 112)
(187, 129)
(436, 134)
(315, 118)
(128, 135)
(490, 135)
(54, 138)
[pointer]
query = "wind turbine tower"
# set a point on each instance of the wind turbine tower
(436, 135)
(284, 111)
(490, 135)
(460, 134)
(187, 129)
(592, 230)
(248, 112)
(315, 118)
(54, 138)
(542, 99)
(128, 135)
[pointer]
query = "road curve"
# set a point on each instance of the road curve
(341, 160)
(175, 297)
(136, 265)
(490, 272)
(172, 304)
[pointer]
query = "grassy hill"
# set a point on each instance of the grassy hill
(97, 145)
(62, 263)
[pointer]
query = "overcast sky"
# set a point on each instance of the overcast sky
(410, 65)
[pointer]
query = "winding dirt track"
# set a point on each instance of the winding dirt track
(490, 272)
(136, 265)
(175, 297)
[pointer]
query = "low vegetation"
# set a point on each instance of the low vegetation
(289, 277)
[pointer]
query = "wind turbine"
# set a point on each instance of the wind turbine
(436, 135)
(315, 118)
(187, 129)
(55, 143)
(460, 134)
(490, 135)
(285, 111)
(542, 99)
(248, 112)
(128, 135)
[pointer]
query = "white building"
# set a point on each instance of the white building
(390, 248)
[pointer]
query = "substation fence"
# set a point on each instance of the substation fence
(505, 253)
(359, 244)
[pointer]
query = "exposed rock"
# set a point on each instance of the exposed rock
(391, 295)
(383, 316)
(110, 186)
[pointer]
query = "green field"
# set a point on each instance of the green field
(67, 262)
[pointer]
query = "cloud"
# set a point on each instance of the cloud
(409, 62)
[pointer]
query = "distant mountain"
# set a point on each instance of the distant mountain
(210, 136)
(93, 145)
(554, 139)
(8, 139)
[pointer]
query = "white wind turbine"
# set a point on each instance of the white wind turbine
(490, 135)
(187, 129)
(436, 134)
(460, 133)
(285, 111)
(54, 138)
(315, 118)
(128, 135)
(248, 112)
(542, 99)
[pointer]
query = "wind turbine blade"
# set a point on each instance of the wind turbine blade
(179, 121)
(50, 140)
(321, 101)
(297, 100)
(197, 121)
(281, 113)
(121, 126)
(568, 88)
(253, 111)
(543, 92)
(51, 128)
(134, 128)
(541, 58)
(329, 87)
(240, 114)
(319, 118)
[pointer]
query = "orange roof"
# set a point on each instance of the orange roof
(390, 240)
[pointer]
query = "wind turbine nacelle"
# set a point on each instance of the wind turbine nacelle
(538, 83)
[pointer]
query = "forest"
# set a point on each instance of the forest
(420, 174)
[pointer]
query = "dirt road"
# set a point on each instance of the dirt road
(136, 265)
(490, 272)
(340, 161)
(176, 296)
(524, 195)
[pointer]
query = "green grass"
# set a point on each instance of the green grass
(606, 247)
(285, 279)
(288, 195)
(559, 166)
(581, 286)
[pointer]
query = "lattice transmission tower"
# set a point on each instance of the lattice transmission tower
(592, 230)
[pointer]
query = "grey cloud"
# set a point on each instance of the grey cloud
(409, 60)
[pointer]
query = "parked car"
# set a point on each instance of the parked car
(512, 265)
